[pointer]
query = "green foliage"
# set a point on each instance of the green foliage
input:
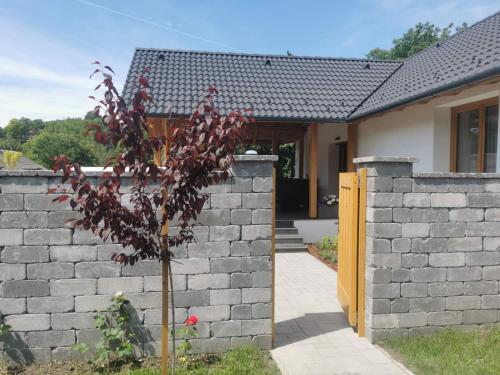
(184, 333)
(10, 159)
(286, 161)
(417, 38)
(10, 144)
(19, 131)
(4, 328)
(113, 325)
(450, 352)
(328, 248)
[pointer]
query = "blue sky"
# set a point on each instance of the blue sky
(47, 45)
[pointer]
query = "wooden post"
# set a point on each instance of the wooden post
(352, 146)
(313, 171)
(301, 158)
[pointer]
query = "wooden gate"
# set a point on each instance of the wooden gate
(351, 247)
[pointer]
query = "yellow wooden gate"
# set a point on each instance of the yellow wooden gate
(351, 247)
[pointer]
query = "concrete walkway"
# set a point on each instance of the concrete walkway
(312, 334)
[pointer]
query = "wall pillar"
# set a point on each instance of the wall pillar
(313, 171)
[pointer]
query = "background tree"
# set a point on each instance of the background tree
(417, 38)
(199, 154)
(21, 130)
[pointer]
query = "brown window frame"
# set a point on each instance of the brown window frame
(481, 106)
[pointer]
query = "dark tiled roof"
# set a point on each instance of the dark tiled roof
(316, 88)
(273, 86)
(23, 163)
(467, 56)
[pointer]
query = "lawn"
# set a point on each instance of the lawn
(241, 361)
(449, 352)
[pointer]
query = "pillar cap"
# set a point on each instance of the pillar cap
(384, 159)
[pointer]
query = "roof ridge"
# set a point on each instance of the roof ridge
(266, 55)
(468, 28)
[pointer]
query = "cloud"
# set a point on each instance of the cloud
(165, 26)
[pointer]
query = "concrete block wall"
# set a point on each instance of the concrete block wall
(54, 278)
(432, 249)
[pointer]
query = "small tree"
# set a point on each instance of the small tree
(200, 153)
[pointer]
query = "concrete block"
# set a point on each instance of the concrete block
(228, 328)
(467, 214)
(227, 200)
(483, 199)
(28, 322)
(257, 200)
(421, 200)
(241, 280)
(50, 339)
(214, 217)
(429, 215)
(221, 187)
(383, 321)
(154, 283)
(83, 253)
(483, 258)
(256, 327)
(415, 319)
(241, 312)
(242, 185)
(25, 288)
(9, 237)
(447, 259)
(401, 245)
(25, 184)
(445, 318)
(73, 287)
(225, 297)
(154, 316)
(56, 236)
(474, 288)
(415, 230)
(23, 219)
(392, 260)
(491, 243)
(402, 185)
(262, 216)
(400, 275)
(483, 229)
(240, 248)
(451, 200)
(222, 265)
(256, 263)
(427, 304)
(92, 303)
(414, 289)
(211, 345)
(448, 230)
(44, 202)
(50, 271)
(392, 290)
(60, 219)
(11, 202)
(480, 316)
(262, 310)
(11, 306)
(490, 302)
(491, 214)
(12, 271)
(261, 247)
(74, 320)
(85, 237)
(152, 300)
(241, 216)
(262, 184)
(190, 298)
(147, 268)
(262, 279)
(122, 284)
(210, 313)
(463, 303)
(414, 260)
(465, 244)
(401, 215)
(25, 254)
(383, 230)
(209, 249)
(445, 289)
(400, 305)
(88, 270)
(377, 275)
(384, 200)
(209, 281)
(46, 305)
(378, 215)
(225, 233)
(379, 184)
(428, 274)
(429, 245)
(378, 306)
(491, 273)
(464, 273)
(254, 295)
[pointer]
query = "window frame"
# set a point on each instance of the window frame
(481, 106)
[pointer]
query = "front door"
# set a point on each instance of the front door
(337, 163)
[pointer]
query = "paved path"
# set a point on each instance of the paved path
(312, 334)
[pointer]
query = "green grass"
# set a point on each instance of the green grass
(449, 352)
(241, 361)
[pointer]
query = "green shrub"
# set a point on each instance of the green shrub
(328, 248)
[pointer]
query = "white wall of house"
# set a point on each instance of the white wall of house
(419, 130)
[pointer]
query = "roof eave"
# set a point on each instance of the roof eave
(477, 78)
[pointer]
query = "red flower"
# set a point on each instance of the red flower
(191, 320)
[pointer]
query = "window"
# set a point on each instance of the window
(474, 133)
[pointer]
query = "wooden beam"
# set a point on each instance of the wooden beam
(352, 145)
(275, 144)
(313, 171)
(301, 157)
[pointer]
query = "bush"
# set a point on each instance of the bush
(328, 248)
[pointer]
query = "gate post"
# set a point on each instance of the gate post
(382, 195)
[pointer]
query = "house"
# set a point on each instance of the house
(440, 105)
(23, 163)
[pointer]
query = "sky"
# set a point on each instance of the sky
(47, 45)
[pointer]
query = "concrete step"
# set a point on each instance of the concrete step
(280, 231)
(289, 238)
(290, 247)
(284, 223)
